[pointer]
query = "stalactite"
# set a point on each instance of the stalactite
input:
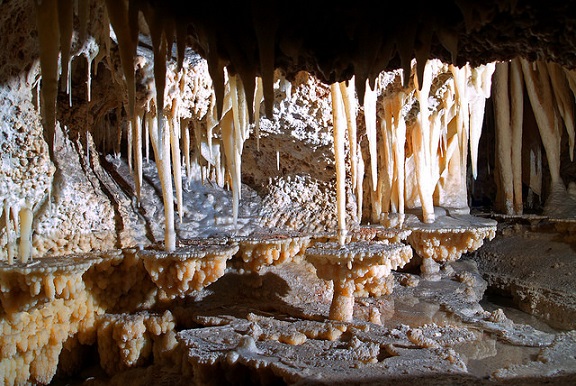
(49, 40)
(370, 120)
(386, 173)
(483, 75)
(137, 146)
(422, 148)
(186, 148)
(146, 135)
(83, 17)
(165, 175)
(501, 94)
(130, 147)
(259, 96)
(405, 47)
(516, 122)
(339, 125)
(174, 129)
(349, 99)
(118, 14)
(65, 22)
(181, 36)
(227, 127)
(238, 106)
(448, 39)
(564, 101)
(460, 76)
(422, 49)
(216, 69)
(159, 46)
(265, 25)
(399, 156)
(359, 183)
(541, 99)
(89, 61)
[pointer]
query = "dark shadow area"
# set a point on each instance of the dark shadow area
(238, 295)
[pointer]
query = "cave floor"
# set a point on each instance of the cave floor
(271, 327)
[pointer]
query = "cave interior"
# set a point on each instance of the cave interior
(274, 192)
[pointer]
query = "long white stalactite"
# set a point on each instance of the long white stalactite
(423, 148)
(370, 97)
(339, 125)
(165, 175)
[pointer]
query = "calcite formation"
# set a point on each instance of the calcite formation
(262, 249)
(448, 238)
(226, 190)
(356, 269)
(187, 269)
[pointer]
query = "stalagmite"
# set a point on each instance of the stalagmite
(503, 134)
(370, 97)
(339, 122)
(49, 40)
(25, 249)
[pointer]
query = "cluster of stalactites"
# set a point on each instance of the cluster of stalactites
(413, 162)
(551, 90)
(232, 111)
(236, 102)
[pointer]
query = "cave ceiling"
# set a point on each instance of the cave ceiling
(336, 40)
